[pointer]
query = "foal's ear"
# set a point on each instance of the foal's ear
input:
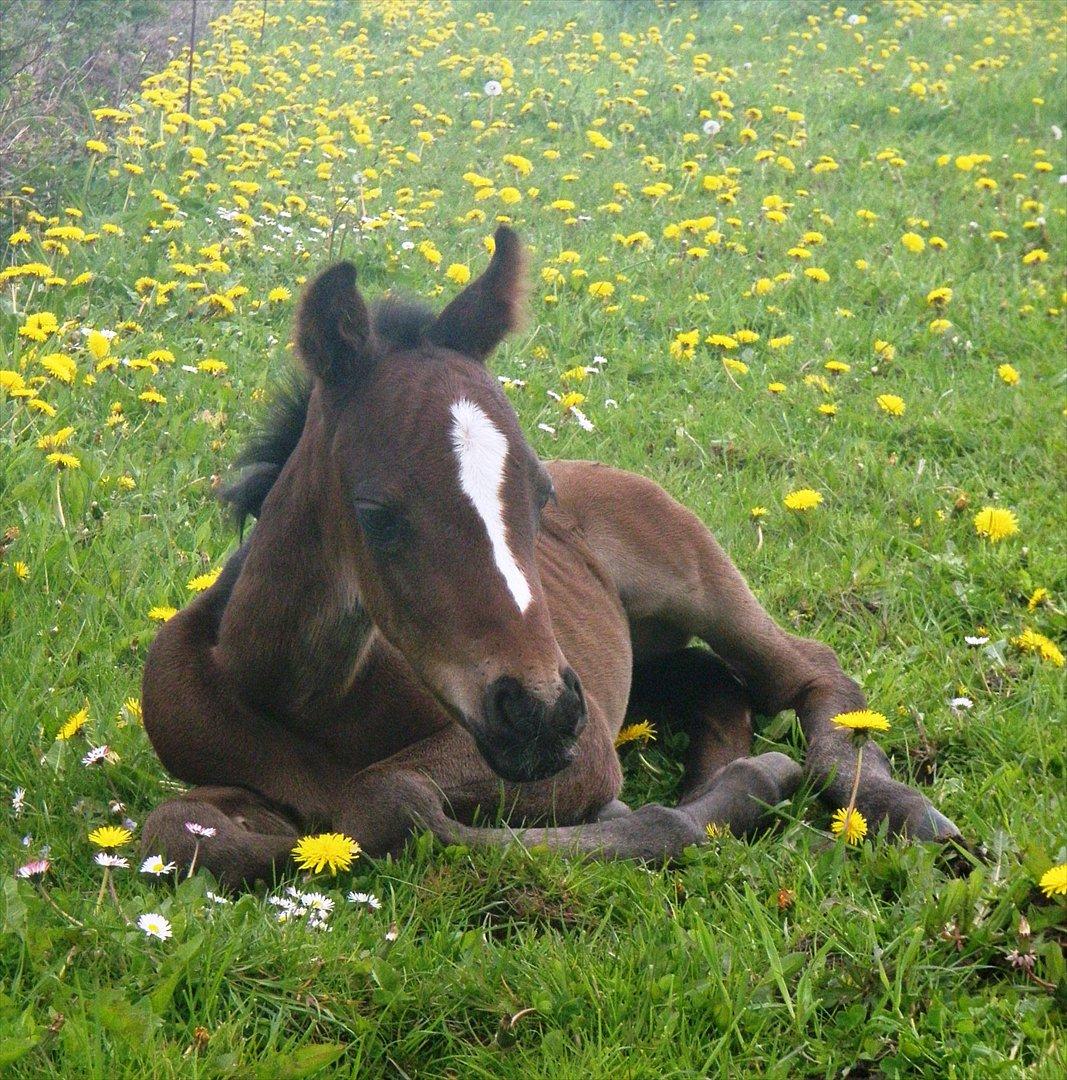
(488, 309)
(333, 334)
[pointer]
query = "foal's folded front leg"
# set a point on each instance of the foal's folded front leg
(832, 757)
(738, 799)
(396, 801)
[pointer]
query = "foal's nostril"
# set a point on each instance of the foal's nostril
(567, 717)
(509, 704)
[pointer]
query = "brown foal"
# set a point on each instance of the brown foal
(427, 625)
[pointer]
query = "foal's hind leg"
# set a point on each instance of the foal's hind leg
(668, 568)
(692, 691)
(246, 840)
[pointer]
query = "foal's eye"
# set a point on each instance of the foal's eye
(383, 527)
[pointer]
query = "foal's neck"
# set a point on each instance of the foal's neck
(294, 631)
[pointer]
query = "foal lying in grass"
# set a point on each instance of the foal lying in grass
(428, 624)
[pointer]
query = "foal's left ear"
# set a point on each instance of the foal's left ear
(333, 333)
(488, 309)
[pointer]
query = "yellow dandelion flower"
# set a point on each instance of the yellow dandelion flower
(110, 836)
(891, 404)
(714, 831)
(995, 523)
(642, 732)
(20, 569)
(74, 723)
(220, 302)
(162, 612)
(601, 289)
(13, 383)
(279, 294)
(722, 341)
(861, 720)
(849, 823)
(459, 273)
(939, 297)
(1038, 255)
(913, 242)
(203, 581)
(55, 440)
(98, 344)
(802, 499)
(59, 366)
(63, 461)
(1038, 597)
(817, 273)
(334, 851)
(1054, 882)
(776, 387)
(1008, 374)
(1032, 642)
(152, 397)
(781, 342)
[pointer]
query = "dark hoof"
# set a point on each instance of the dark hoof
(932, 825)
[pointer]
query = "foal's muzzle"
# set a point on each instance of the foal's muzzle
(522, 737)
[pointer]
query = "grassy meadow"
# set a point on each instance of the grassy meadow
(775, 248)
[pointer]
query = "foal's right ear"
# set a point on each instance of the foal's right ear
(333, 333)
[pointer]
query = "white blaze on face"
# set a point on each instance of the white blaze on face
(482, 452)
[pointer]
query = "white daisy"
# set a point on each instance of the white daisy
(96, 754)
(317, 902)
(116, 862)
(33, 869)
(365, 898)
(154, 864)
(199, 830)
(155, 926)
(583, 421)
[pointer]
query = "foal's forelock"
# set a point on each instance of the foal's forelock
(481, 452)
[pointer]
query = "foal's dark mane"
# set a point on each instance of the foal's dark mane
(397, 322)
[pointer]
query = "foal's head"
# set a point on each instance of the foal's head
(435, 499)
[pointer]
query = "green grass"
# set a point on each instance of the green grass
(790, 956)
